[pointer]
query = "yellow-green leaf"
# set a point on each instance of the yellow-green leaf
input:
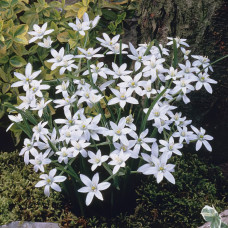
(14, 2)
(119, 2)
(19, 49)
(2, 49)
(21, 39)
(17, 136)
(55, 4)
(30, 18)
(81, 11)
(17, 61)
(2, 38)
(5, 88)
(75, 7)
(72, 34)
(63, 37)
(72, 43)
(70, 13)
(4, 76)
(4, 59)
(54, 26)
(20, 30)
(41, 2)
(1, 25)
(51, 109)
(48, 65)
(48, 77)
(46, 13)
(85, 2)
(4, 3)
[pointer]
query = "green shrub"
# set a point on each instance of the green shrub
(165, 205)
(20, 200)
(179, 205)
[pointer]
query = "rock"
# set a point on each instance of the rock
(31, 225)
(224, 216)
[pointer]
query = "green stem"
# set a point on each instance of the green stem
(149, 110)
(120, 56)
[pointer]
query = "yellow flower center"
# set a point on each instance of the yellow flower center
(172, 74)
(78, 147)
(68, 134)
(187, 70)
(122, 97)
(153, 64)
(93, 188)
(124, 148)
(183, 84)
(128, 120)
(38, 162)
(58, 58)
(133, 84)
(118, 132)
(171, 147)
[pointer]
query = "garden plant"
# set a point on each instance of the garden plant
(108, 111)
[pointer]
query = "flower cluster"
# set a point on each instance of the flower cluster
(110, 114)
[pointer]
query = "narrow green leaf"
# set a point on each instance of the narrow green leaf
(27, 114)
(223, 225)
(149, 110)
(52, 146)
(24, 129)
(175, 54)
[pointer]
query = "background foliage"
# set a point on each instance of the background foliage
(165, 205)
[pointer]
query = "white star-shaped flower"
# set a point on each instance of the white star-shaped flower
(93, 187)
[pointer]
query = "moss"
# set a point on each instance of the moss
(197, 183)
(165, 205)
(20, 200)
